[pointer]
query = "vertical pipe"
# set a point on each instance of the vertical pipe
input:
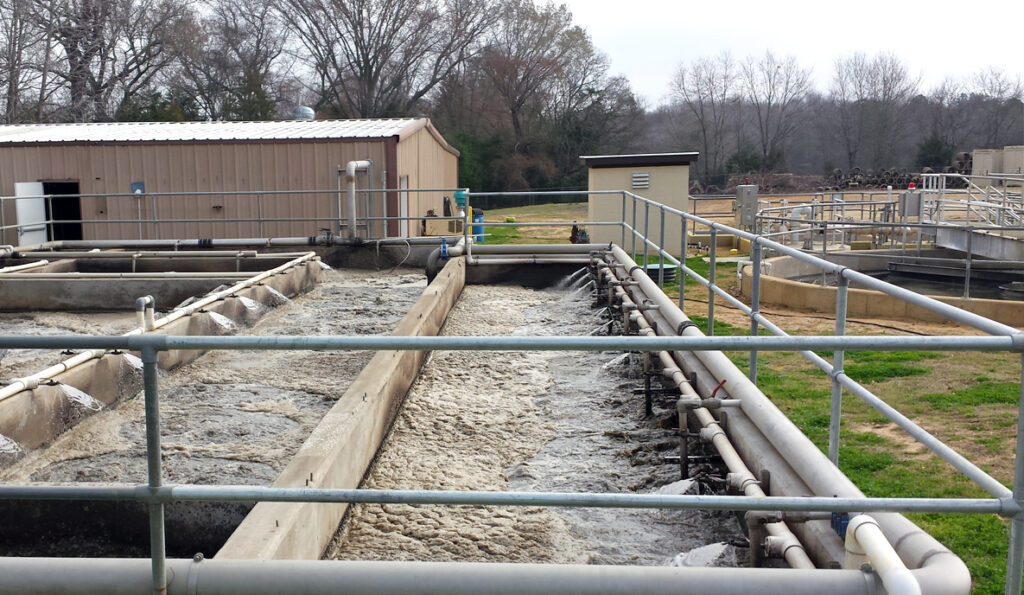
(967, 264)
(838, 358)
(661, 246)
(153, 462)
(711, 278)
(138, 203)
(1015, 555)
(682, 259)
(755, 304)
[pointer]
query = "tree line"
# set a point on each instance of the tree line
(516, 85)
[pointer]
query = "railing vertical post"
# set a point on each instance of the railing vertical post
(259, 213)
(49, 217)
(661, 249)
(711, 282)
(153, 460)
(682, 260)
(156, 219)
(838, 361)
(755, 304)
(967, 263)
(623, 218)
(633, 225)
(647, 231)
(1015, 555)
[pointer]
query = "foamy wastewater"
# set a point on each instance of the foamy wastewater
(528, 421)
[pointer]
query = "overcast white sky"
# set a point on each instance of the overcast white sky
(647, 39)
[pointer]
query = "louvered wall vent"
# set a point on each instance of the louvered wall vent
(641, 180)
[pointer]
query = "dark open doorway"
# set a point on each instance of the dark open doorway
(65, 205)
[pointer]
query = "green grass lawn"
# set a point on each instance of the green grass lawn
(966, 399)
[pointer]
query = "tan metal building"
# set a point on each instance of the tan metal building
(661, 177)
(121, 177)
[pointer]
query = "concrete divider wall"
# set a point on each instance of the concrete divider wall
(780, 291)
(340, 450)
(34, 417)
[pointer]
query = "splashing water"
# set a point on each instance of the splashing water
(84, 399)
(279, 297)
(222, 321)
(601, 328)
(581, 283)
(618, 360)
(324, 266)
(132, 361)
(568, 280)
(250, 304)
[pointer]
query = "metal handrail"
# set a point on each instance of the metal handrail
(1006, 502)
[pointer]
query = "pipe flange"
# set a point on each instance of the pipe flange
(685, 325)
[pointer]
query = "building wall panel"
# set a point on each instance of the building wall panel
(221, 166)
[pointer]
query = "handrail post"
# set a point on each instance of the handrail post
(682, 260)
(633, 225)
(1015, 555)
(156, 219)
(755, 304)
(647, 232)
(838, 360)
(661, 249)
(157, 544)
(259, 213)
(711, 282)
(623, 217)
(967, 262)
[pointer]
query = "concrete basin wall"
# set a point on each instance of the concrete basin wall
(340, 450)
(779, 290)
(34, 417)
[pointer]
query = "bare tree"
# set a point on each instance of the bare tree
(526, 52)
(108, 50)
(21, 44)
(232, 65)
(708, 88)
(870, 96)
(775, 88)
(379, 58)
(1000, 96)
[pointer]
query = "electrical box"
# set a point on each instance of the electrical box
(746, 205)
(442, 227)
(910, 204)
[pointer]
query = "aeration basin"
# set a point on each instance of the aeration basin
(544, 431)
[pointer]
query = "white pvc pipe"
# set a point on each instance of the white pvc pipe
(790, 547)
(24, 267)
(30, 382)
(350, 182)
(864, 535)
(938, 570)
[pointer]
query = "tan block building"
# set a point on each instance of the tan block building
(661, 177)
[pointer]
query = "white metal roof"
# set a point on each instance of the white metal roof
(206, 131)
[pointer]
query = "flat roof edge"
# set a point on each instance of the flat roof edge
(640, 160)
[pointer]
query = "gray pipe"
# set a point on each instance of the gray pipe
(938, 569)
(114, 576)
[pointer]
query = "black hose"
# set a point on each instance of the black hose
(434, 264)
